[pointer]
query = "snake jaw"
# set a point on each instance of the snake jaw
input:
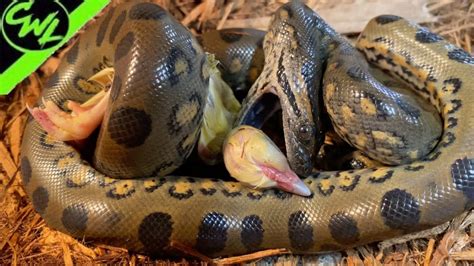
(252, 158)
(78, 124)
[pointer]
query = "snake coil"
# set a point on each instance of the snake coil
(347, 208)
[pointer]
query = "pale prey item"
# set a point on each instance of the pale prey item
(83, 118)
(252, 158)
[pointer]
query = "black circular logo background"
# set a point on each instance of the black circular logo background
(38, 12)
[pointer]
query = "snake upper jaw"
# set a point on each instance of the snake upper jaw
(300, 142)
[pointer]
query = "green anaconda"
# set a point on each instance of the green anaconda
(154, 56)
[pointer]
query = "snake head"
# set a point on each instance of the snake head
(253, 159)
(294, 60)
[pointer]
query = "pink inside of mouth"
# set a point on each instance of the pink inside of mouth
(286, 180)
(43, 119)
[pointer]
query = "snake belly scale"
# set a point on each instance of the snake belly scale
(347, 208)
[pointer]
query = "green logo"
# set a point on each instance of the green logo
(33, 29)
(29, 26)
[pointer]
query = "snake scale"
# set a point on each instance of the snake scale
(217, 218)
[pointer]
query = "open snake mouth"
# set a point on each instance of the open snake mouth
(261, 110)
(346, 209)
(266, 114)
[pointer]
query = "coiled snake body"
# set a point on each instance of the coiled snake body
(346, 208)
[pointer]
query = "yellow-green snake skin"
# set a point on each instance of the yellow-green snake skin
(153, 55)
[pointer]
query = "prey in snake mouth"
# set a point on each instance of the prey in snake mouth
(159, 94)
(291, 77)
(265, 165)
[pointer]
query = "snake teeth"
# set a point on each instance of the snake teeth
(253, 158)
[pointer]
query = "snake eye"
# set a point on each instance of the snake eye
(306, 131)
